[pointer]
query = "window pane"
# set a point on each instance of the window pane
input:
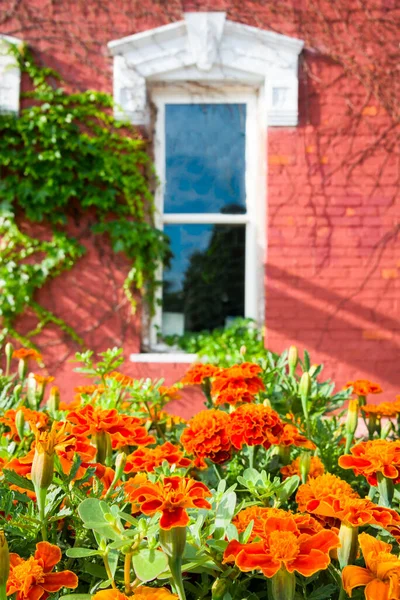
(205, 158)
(204, 287)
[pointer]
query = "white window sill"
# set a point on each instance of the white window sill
(163, 357)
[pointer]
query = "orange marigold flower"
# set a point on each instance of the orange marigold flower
(42, 379)
(237, 384)
(141, 593)
(291, 436)
(381, 574)
(372, 457)
(316, 468)
(382, 410)
(171, 497)
(124, 430)
(147, 459)
(172, 392)
(33, 579)
(124, 380)
(26, 354)
(75, 403)
(363, 387)
(254, 425)
(39, 419)
(198, 373)
(325, 488)
(206, 436)
(131, 486)
(283, 545)
(341, 502)
(259, 515)
(90, 389)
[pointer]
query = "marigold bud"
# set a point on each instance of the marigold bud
(173, 541)
(20, 423)
(4, 560)
(347, 552)
(305, 464)
(304, 391)
(9, 349)
(242, 350)
(293, 357)
(31, 391)
(120, 463)
(22, 368)
(53, 403)
(352, 417)
(103, 445)
(43, 460)
(219, 588)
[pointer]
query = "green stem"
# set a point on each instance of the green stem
(3, 592)
(251, 451)
(342, 595)
(109, 574)
(175, 566)
(386, 490)
(41, 502)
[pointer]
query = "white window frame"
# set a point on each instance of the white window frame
(253, 219)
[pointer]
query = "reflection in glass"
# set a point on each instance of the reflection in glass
(204, 286)
(205, 157)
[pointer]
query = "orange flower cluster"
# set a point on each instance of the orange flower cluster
(381, 575)
(26, 354)
(284, 546)
(171, 497)
(363, 387)
(199, 373)
(39, 419)
(172, 392)
(382, 410)
(147, 459)
(238, 384)
(207, 436)
(329, 496)
(43, 379)
(34, 579)
(316, 468)
(124, 430)
(373, 457)
(140, 593)
(254, 425)
(291, 436)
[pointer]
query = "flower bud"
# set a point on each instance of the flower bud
(283, 585)
(17, 393)
(304, 391)
(22, 369)
(8, 352)
(293, 357)
(242, 350)
(219, 588)
(103, 444)
(120, 463)
(305, 464)
(4, 560)
(347, 553)
(43, 459)
(53, 402)
(31, 391)
(313, 370)
(351, 423)
(20, 423)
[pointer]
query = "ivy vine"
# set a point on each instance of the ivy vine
(66, 154)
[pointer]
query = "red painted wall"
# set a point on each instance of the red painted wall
(332, 266)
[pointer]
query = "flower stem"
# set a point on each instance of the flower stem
(175, 566)
(127, 572)
(386, 490)
(3, 592)
(41, 502)
(109, 574)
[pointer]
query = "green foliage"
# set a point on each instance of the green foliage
(64, 156)
(241, 340)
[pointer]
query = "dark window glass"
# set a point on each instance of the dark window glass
(204, 286)
(205, 158)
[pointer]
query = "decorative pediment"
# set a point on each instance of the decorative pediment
(10, 76)
(207, 48)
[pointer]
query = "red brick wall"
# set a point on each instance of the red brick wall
(332, 266)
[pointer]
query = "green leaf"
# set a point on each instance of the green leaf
(323, 593)
(148, 564)
(15, 479)
(224, 514)
(81, 552)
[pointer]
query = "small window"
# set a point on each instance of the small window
(203, 159)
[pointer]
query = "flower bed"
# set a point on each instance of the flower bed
(265, 494)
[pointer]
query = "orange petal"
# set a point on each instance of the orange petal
(34, 593)
(15, 559)
(308, 564)
(377, 589)
(174, 518)
(109, 595)
(370, 545)
(55, 581)
(324, 541)
(49, 554)
(355, 576)
(390, 472)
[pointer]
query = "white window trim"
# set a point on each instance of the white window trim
(207, 50)
(253, 219)
(10, 76)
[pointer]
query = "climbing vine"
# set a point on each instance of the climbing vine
(63, 156)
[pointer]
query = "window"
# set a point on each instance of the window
(205, 160)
